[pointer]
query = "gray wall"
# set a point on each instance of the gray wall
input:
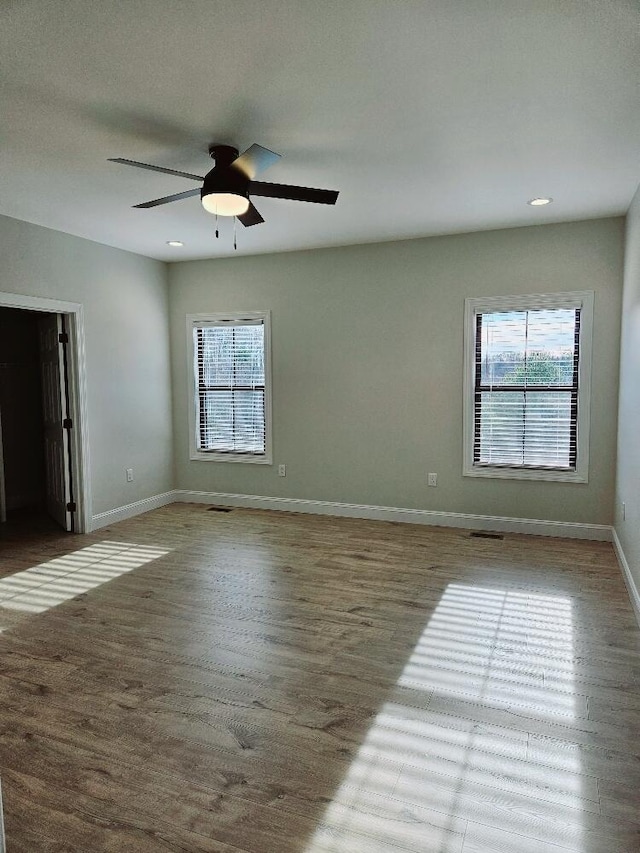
(367, 365)
(628, 479)
(367, 355)
(127, 349)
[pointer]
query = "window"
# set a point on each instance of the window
(231, 406)
(527, 366)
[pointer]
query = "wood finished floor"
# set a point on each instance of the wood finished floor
(271, 683)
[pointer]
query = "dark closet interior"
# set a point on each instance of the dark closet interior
(21, 410)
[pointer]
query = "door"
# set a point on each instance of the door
(59, 500)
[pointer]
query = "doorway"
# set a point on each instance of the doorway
(43, 443)
(24, 481)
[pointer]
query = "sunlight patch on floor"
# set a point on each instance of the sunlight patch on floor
(437, 761)
(49, 584)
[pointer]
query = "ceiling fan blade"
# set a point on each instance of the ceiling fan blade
(168, 198)
(255, 160)
(294, 193)
(155, 168)
(251, 217)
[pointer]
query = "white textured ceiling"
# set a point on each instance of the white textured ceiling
(429, 117)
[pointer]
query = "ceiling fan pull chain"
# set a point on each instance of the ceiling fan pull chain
(235, 245)
(217, 232)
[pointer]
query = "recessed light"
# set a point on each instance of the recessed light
(174, 243)
(538, 202)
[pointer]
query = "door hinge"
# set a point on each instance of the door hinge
(67, 423)
(63, 338)
(71, 507)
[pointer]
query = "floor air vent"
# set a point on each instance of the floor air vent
(219, 509)
(480, 534)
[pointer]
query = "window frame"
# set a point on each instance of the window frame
(583, 300)
(194, 321)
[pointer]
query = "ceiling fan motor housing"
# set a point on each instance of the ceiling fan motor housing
(224, 179)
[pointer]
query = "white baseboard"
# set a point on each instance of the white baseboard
(120, 513)
(536, 527)
(634, 594)
(502, 524)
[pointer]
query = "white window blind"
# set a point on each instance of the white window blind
(525, 406)
(229, 364)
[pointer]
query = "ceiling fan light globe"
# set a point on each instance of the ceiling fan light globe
(225, 204)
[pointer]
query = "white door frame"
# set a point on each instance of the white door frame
(74, 313)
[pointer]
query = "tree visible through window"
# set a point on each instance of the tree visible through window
(526, 388)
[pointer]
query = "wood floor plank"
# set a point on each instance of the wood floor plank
(253, 682)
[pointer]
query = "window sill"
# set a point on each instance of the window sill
(200, 456)
(550, 475)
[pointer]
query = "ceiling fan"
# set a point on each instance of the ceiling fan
(227, 188)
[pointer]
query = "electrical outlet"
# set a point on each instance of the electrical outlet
(129, 475)
(432, 479)
(282, 470)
